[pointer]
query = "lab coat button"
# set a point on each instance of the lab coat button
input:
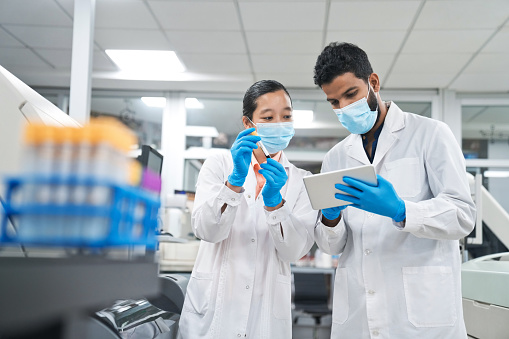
(371, 292)
(247, 287)
(367, 252)
(274, 218)
(249, 196)
(375, 333)
(233, 199)
(252, 240)
(238, 335)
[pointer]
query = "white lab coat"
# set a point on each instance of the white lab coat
(241, 282)
(402, 283)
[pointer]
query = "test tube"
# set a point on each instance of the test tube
(262, 147)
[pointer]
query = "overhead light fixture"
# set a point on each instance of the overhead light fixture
(146, 62)
(154, 101)
(302, 118)
(496, 174)
(193, 103)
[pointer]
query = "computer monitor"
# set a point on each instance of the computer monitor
(20, 104)
(151, 159)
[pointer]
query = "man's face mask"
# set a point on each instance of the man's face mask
(275, 135)
(358, 118)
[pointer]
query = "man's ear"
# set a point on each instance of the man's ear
(374, 81)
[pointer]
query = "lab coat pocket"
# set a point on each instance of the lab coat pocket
(198, 292)
(282, 301)
(404, 174)
(340, 306)
(430, 296)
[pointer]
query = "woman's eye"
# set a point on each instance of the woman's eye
(267, 118)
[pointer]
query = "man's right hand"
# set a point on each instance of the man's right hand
(331, 215)
(241, 152)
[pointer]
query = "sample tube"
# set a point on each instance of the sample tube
(260, 144)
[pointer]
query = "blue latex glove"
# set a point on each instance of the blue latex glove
(381, 199)
(275, 178)
(241, 152)
(332, 213)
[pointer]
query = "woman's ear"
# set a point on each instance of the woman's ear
(246, 122)
(374, 81)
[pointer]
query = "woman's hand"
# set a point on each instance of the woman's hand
(241, 152)
(275, 179)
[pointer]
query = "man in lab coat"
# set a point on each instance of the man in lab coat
(398, 275)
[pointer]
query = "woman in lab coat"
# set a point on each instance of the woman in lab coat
(254, 217)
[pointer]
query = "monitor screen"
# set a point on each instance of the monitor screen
(21, 105)
(151, 159)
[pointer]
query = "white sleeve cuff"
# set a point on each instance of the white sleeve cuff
(229, 197)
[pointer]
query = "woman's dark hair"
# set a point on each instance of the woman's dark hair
(258, 89)
(340, 58)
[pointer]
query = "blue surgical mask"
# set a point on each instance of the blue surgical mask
(358, 118)
(275, 135)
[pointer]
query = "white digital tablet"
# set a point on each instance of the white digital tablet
(321, 190)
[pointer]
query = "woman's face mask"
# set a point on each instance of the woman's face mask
(358, 118)
(275, 135)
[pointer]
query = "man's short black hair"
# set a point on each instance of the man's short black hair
(340, 58)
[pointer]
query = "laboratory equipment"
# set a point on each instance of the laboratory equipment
(484, 283)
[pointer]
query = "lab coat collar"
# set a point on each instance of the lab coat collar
(394, 121)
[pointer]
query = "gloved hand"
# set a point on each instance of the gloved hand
(381, 199)
(241, 152)
(333, 213)
(275, 176)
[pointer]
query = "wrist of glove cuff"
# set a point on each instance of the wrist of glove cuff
(235, 180)
(401, 214)
(331, 215)
(273, 201)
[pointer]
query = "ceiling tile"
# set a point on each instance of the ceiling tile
(131, 39)
(379, 41)
(488, 63)
(62, 59)
(33, 12)
(499, 43)
(289, 80)
(216, 63)
(263, 63)
(284, 42)
(7, 40)
(430, 63)
(123, 14)
(103, 63)
(371, 15)
(446, 41)
(413, 81)
(20, 57)
(282, 16)
(206, 42)
(380, 64)
(196, 15)
(493, 82)
(469, 14)
(43, 37)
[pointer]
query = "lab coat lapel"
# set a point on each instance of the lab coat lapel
(356, 149)
(284, 190)
(394, 122)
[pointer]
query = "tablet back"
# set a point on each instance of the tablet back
(321, 190)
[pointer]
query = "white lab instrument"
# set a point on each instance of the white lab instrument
(321, 190)
(484, 283)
